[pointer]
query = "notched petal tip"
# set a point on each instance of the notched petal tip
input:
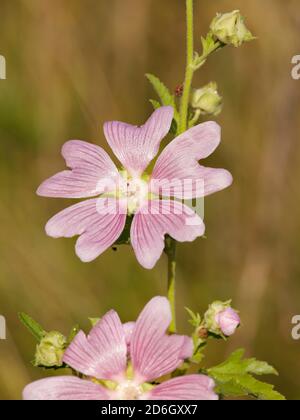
(103, 353)
(136, 146)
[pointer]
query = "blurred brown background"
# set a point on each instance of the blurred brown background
(71, 65)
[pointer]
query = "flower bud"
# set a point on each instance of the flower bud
(207, 99)
(230, 29)
(221, 319)
(50, 351)
(228, 321)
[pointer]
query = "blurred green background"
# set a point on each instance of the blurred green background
(73, 64)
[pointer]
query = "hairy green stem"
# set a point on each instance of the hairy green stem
(189, 72)
(183, 125)
(171, 253)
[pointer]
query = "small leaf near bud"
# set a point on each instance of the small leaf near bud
(208, 44)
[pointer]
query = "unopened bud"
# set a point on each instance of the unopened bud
(50, 351)
(228, 321)
(221, 319)
(230, 29)
(207, 99)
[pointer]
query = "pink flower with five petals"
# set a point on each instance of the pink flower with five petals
(104, 355)
(177, 175)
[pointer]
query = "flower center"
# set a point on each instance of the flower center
(129, 391)
(135, 190)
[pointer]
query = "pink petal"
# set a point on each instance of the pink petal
(93, 172)
(153, 352)
(158, 218)
(177, 171)
(134, 146)
(103, 353)
(100, 223)
(187, 348)
(64, 388)
(190, 387)
(228, 320)
(128, 330)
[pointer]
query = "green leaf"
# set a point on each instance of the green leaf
(36, 330)
(261, 368)
(234, 378)
(208, 44)
(163, 93)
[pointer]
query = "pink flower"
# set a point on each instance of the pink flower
(105, 356)
(177, 174)
(228, 321)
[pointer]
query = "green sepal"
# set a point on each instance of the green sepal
(74, 331)
(33, 326)
(195, 320)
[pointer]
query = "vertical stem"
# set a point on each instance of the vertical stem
(183, 125)
(189, 73)
(171, 253)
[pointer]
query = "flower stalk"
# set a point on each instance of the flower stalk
(171, 247)
(183, 125)
(189, 73)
